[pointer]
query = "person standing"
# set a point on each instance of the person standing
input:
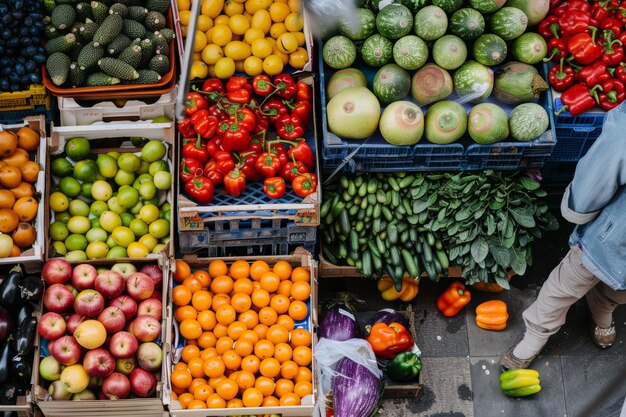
(595, 265)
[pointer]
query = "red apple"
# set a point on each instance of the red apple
(139, 286)
(110, 284)
(150, 307)
(125, 365)
(150, 356)
(157, 295)
(142, 382)
(126, 304)
(99, 363)
(51, 326)
(83, 276)
(89, 303)
(113, 319)
(116, 386)
(146, 328)
(58, 298)
(154, 272)
(123, 345)
(73, 321)
(124, 269)
(66, 350)
(56, 271)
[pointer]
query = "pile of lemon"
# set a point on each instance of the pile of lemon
(251, 36)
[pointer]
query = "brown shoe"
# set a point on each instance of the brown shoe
(510, 361)
(604, 336)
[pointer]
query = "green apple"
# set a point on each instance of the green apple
(127, 196)
(109, 220)
(59, 248)
(79, 208)
(114, 205)
(78, 224)
(97, 234)
(126, 219)
(101, 190)
(76, 256)
(107, 165)
(158, 166)
(95, 222)
(97, 250)
(123, 236)
(144, 167)
(124, 178)
(147, 190)
(159, 228)
(63, 217)
(117, 252)
(129, 162)
(85, 190)
(98, 207)
(149, 213)
(76, 242)
(139, 227)
(58, 231)
(163, 180)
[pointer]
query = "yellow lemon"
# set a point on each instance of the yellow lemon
(232, 8)
(238, 24)
(211, 53)
(287, 43)
(294, 22)
(224, 68)
(294, 5)
(261, 19)
(237, 50)
(204, 23)
(279, 11)
(221, 20)
(239, 66)
(253, 66)
(184, 16)
(253, 34)
(253, 5)
(221, 35)
(273, 65)
(199, 42)
(299, 58)
(212, 8)
(198, 70)
(277, 29)
(261, 48)
(183, 4)
(300, 38)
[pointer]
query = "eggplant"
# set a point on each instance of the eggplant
(356, 391)
(10, 287)
(25, 336)
(388, 316)
(338, 323)
(31, 288)
(6, 356)
(21, 371)
(24, 311)
(6, 323)
(8, 393)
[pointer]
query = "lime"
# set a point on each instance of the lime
(97, 250)
(144, 167)
(129, 162)
(59, 202)
(77, 148)
(136, 208)
(109, 220)
(85, 170)
(158, 166)
(126, 219)
(159, 228)
(101, 190)
(61, 167)
(110, 241)
(58, 231)
(114, 154)
(139, 227)
(85, 190)
(127, 197)
(149, 213)
(98, 207)
(76, 256)
(69, 186)
(124, 178)
(115, 206)
(62, 217)
(147, 190)
(117, 252)
(76, 242)
(163, 180)
(79, 208)
(107, 165)
(123, 236)
(97, 234)
(79, 225)
(59, 248)
(153, 151)
(95, 222)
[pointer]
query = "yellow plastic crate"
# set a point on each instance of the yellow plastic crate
(36, 95)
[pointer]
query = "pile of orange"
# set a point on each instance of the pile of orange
(242, 348)
(18, 206)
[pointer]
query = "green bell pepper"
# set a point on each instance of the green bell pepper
(406, 366)
(520, 382)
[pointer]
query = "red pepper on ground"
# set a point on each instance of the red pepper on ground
(200, 189)
(613, 93)
(188, 169)
(613, 54)
(557, 49)
(211, 172)
(388, 340)
(578, 99)
(561, 76)
(292, 169)
(267, 164)
(583, 47)
(185, 127)
(304, 184)
(235, 182)
(549, 27)
(304, 92)
(274, 108)
(574, 21)
(453, 299)
(262, 85)
(595, 73)
(285, 86)
(194, 103)
(195, 149)
(274, 187)
(289, 127)
(236, 138)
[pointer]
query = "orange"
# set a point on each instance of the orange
(181, 295)
(300, 274)
(300, 337)
(28, 139)
(178, 391)
(260, 298)
(250, 336)
(252, 397)
(190, 352)
(265, 385)
(264, 349)
(184, 312)
(283, 386)
(214, 367)
(192, 283)
(217, 267)
(204, 278)
(206, 319)
(231, 360)
(269, 367)
(196, 405)
(227, 389)
(270, 401)
(224, 344)
(236, 329)
(270, 281)
(202, 392)
(222, 284)
(215, 401)
(201, 300)
(180, 379)
(234, 403)
(304, 374)
(257, 269)
(260, 330)
(250, 318)
(245, 380)
(190, 329)
(277, 334)
(289, 369)
(219, 300)
(256, 285)
(181, 366)
(214, 381)
(225, 314)
(302, 355)
(243, 347)
(26, 208)
(285, 321)
(267, 316)
(289, 399)
(280, 303)
(207, 340)
(239, 269)
(283, 352)
(241, 302)
(220, 330)
(7, 199)
(208, 353)
(30, 171)
(298, 310)
(8, 143)
(300, 290)
(282, 269)
(185, 398)
(196, 366)
(284, 287)
(251, 364)
(303, 388)
(182, 270)
(244, 286)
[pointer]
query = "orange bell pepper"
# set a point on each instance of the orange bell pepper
(389, 340)
(492, 315)
(453, 299)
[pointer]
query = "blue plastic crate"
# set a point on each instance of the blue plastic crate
(377, 155)
(17, 116)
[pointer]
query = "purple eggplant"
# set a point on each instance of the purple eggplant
(10, 287)
(389, 316)
(338, 323)
(31, 288)
(356, 391)
(6, 323)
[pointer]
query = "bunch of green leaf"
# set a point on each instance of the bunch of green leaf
(487, 221)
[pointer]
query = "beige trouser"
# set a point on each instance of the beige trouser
(567, 283)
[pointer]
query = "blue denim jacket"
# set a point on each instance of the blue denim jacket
(595, 201)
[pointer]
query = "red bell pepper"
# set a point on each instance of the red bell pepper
(613, 54)
(285, 86)
(583, 47)
(581, 5)
(388, 340)
(557, 48)
(185, 127)
(274, 108)
(289, 127)
(560, 9)
(245, 118)
(549, 27)
(453, 299)
(613, 93)
(620, 72)
(256, 144)
(195, 149)
(267, 164)
(302, 109)
(204, 124)
(212, 147)
(262, 85)
(595, 73)
(237, 83)
(248, 166)
(302, 152)
(292, 169)
(561, 76)
(200, 189)
(194, 103)
(236, 138)
(261, 124)
(219, 112)
(225, 162)
(213, 85)
(574, 21)
(188, 169)
(211, 172)
(599, 10)
(304, 184)
(279, 150)
(235, 182)
(274, 187)
(611, 24)
(578, 99)
(304, 92)
(241, 96)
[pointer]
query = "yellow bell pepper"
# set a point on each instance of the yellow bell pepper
(407, 293)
